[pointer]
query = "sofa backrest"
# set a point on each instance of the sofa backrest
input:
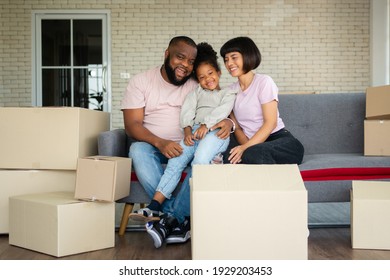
(325, 123)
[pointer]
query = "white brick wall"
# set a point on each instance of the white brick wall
(309, 45)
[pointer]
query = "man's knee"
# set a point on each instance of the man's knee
(137, 150)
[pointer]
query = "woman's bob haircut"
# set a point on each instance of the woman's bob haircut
(247, 48)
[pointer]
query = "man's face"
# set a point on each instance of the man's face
(179, 63)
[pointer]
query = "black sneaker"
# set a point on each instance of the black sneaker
(181, 233)
(159, 230)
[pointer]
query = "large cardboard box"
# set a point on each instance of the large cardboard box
(57, 224)
(370, 215)
(376, 137)
(248, 212)
(103, 178)
(378, 102)
(49, 137)
(17, 182)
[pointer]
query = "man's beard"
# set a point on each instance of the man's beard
(171, 74)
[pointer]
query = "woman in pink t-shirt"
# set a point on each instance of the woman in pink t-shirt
(260, 136)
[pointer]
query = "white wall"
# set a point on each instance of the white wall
(379, 42)
(307, 45)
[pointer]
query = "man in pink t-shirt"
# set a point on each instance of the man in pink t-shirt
(151, 108)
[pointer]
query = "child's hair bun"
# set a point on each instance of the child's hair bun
(206, 50)
(206, 54)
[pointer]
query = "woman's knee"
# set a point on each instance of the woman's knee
(260, 154)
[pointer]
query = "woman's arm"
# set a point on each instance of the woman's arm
(238, 132)
(270, 115)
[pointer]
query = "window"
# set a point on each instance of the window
(71, 65)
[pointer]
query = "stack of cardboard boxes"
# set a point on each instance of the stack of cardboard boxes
(377, 122)
(40, 149)
(370, 200)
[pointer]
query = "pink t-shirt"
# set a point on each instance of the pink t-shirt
(247, 108)
(162, 102)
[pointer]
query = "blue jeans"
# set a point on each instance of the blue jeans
(202, 152)
(148, 163)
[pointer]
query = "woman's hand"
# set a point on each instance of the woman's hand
(236, 154)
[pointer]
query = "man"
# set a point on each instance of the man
(151, 110)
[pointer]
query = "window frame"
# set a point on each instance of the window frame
(36, 71)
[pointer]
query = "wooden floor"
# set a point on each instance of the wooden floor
(324, 244)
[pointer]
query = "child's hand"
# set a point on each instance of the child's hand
(188, 140)
(201, 132)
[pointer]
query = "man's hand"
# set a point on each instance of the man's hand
(225, 127)
(170, 149)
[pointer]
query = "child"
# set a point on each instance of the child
(202, 109)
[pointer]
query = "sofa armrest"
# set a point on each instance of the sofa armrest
(113, 143)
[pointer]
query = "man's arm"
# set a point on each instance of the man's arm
(133, 120)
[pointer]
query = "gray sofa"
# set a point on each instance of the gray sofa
(330, 127)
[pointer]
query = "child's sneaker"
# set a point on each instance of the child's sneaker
(181, 233)
(159, 230)
(145, 215)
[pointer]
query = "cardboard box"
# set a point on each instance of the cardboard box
(17, 182)
(49, 137)
(378, 102)
(376, 137)
(248, 212)
(370, 215)
(103, 178)
(59, 225)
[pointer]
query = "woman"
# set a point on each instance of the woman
(260, 136)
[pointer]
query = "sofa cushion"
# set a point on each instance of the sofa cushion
(325, 161)
(322, 167)
(328, 177)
